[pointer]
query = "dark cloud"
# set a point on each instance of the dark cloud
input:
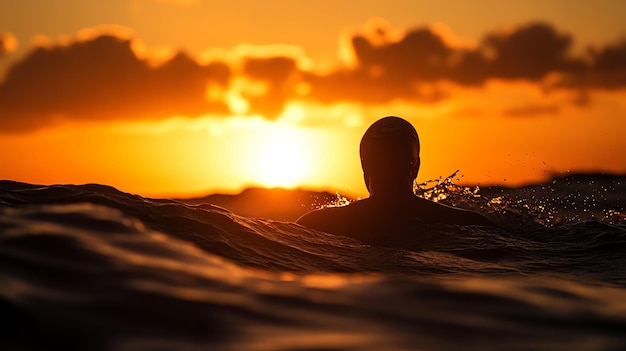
(279, 76)
(103, 79)
(420, 56)
(393, 70)
(609, 67)
(411, 68)
(530, 52)
(399, 70)
(611, 58)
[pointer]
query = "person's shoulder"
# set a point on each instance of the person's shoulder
(436, 212)
(312, 217)
(322, 214)
(334, 219)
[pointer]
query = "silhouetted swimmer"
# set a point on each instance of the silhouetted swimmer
(390, 160)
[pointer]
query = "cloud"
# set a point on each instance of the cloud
(8, 43)
(608, 69)
(391, 70)
(530, 52)
(420, 55)
(414, 66)
(401, 69)
(103, 79)
(278, 77)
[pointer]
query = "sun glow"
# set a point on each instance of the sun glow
(280, 158)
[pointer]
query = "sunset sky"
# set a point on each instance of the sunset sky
(189, 97)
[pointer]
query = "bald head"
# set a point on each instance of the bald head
(390, 152)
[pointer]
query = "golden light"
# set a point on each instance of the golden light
(280, 158)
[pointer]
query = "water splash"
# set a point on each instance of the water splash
(560, 202)
(563, 201)
(339, 201)
(437, 189)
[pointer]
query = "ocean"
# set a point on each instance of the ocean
(88, 267)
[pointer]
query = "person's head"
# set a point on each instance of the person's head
(390, 154)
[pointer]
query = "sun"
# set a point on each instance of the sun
(280, 159)
(279, 164)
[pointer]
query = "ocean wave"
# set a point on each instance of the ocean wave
(89, 267)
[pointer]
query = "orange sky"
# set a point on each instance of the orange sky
(180, 97)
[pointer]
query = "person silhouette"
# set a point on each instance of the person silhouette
(390, 160)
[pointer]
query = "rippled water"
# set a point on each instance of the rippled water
(91, 268)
